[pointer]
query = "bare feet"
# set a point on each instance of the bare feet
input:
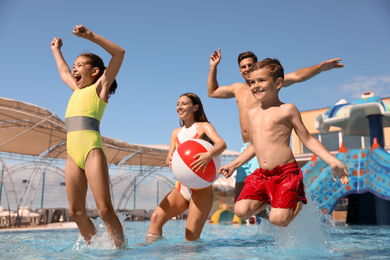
(151, 238)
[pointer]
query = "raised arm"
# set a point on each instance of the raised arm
(316, 147)
(117, 55)
(213, 90)
(309, 72)
(203, 159)
(63, 68)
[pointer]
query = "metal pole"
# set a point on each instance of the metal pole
(228, 197)
(157, 191)
(1, 183)
(43, 188)
(135, 179)
(382, 206)
(376, 129)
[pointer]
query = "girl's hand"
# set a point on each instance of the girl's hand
(82, 31)
(202, 160)
(56, 43)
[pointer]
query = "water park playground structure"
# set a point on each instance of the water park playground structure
(362, 123)
(368, 191)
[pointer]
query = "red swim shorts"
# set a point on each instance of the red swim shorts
(281, 187)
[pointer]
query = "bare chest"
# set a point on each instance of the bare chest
(269, 124)
(245, 100)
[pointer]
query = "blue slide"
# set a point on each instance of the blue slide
(369, 172)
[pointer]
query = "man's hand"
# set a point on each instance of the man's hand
(331, 64)
(215, 58)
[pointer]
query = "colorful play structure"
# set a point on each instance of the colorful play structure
(368, 191)
(225, 216)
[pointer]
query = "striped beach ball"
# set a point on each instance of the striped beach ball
(184, 156)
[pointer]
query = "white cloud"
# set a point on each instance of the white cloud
(357, 86)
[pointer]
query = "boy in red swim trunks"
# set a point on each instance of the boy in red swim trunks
(278, 181)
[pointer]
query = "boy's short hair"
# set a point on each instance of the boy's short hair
(246, 55)
(274, 66)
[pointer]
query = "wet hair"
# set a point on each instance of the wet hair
(199, 115)
(246, 55)
(96, 61)
(275, 68)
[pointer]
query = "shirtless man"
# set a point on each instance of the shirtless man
(246, 101)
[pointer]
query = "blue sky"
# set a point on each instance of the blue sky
(168, 44)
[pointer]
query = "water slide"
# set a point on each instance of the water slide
(369, 172)
(368, 168)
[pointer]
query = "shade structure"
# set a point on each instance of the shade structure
(32, 130)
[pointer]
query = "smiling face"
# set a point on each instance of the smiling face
(83, 72)
(263, 86)
(245, 66)
(185, 108)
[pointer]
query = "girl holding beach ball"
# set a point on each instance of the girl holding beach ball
(194, 125)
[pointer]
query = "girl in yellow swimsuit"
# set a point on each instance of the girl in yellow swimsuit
(92, 84)
(198, 202)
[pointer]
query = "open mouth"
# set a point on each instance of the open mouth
(77, 78)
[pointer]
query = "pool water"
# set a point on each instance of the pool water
(308, 236)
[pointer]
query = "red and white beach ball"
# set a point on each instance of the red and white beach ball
(184, 156)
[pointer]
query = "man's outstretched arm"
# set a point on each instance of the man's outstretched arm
(309, 72)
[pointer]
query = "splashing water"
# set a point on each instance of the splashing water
(310, 235)
(102, 239)
(310, 229)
